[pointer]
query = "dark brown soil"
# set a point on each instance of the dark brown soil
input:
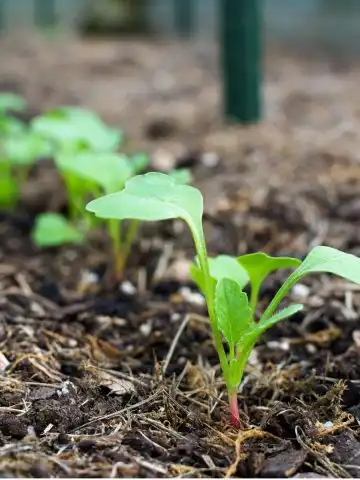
(99, 380)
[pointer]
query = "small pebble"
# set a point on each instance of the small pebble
(253, 358)
(89, 278)
(210, 159)
(328, 424)
(163, 160)
(4, 363)
(283, 345)
(179, 270)
(146, 328)
(175, 317)
(310, 348)
(192, 297)
(315, 301)
(31, 431)
(128, 288)
(300, 291)
(356, 337)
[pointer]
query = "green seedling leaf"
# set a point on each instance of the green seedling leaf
(222, 266)
(320, 259)
(24, 149)
(139, 162)
(52, 230)
(150, 197)
(182, 176)
(259, 265)
(69, 125)
(11, 126)
(107, 170)
(11, 101)
(232, 310)
(330, 260)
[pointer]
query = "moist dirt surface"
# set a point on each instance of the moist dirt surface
(106, 379)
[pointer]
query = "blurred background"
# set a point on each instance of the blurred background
(153, 68)
(328, 23)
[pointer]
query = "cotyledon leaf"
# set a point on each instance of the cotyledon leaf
(150, 197)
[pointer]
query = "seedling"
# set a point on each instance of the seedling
(11, 102)
(52, 230)
(157, 196)
(108, 173)
(19, 149)
(70, 128)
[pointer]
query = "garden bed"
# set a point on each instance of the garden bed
(122, 380)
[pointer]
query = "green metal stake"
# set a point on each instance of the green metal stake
(184, 17)
(241, 59)
(44, 11)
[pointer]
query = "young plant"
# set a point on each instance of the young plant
(107, 173)
(11, 102)
(71, 128)
(19, 150)
(52, 230)
(157, 196)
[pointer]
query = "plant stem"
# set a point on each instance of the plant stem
(129, 239)
(280, 294)
(114, 233)
(71, 194)
(254, 296)
(201, 250)
(234, 409)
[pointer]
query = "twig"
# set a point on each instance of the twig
(174, 343)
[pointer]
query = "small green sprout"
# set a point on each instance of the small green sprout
(157, 196)
(70, 127)
(182, 176)
(53, 230)
(19, 150)
(11, 102)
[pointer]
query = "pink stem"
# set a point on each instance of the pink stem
(234, 410)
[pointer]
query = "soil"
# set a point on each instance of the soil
(106, 380)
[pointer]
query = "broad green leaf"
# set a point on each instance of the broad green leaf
(25, 149)
(139, 162)
(181, 175)
(222, 266)
(52, 229)
(320, 259)
(11, 101)
(225, 266)
(68, 125)
(330, 260)
(108, 170)
(232, 310)
(259, 265)
(150, 197)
